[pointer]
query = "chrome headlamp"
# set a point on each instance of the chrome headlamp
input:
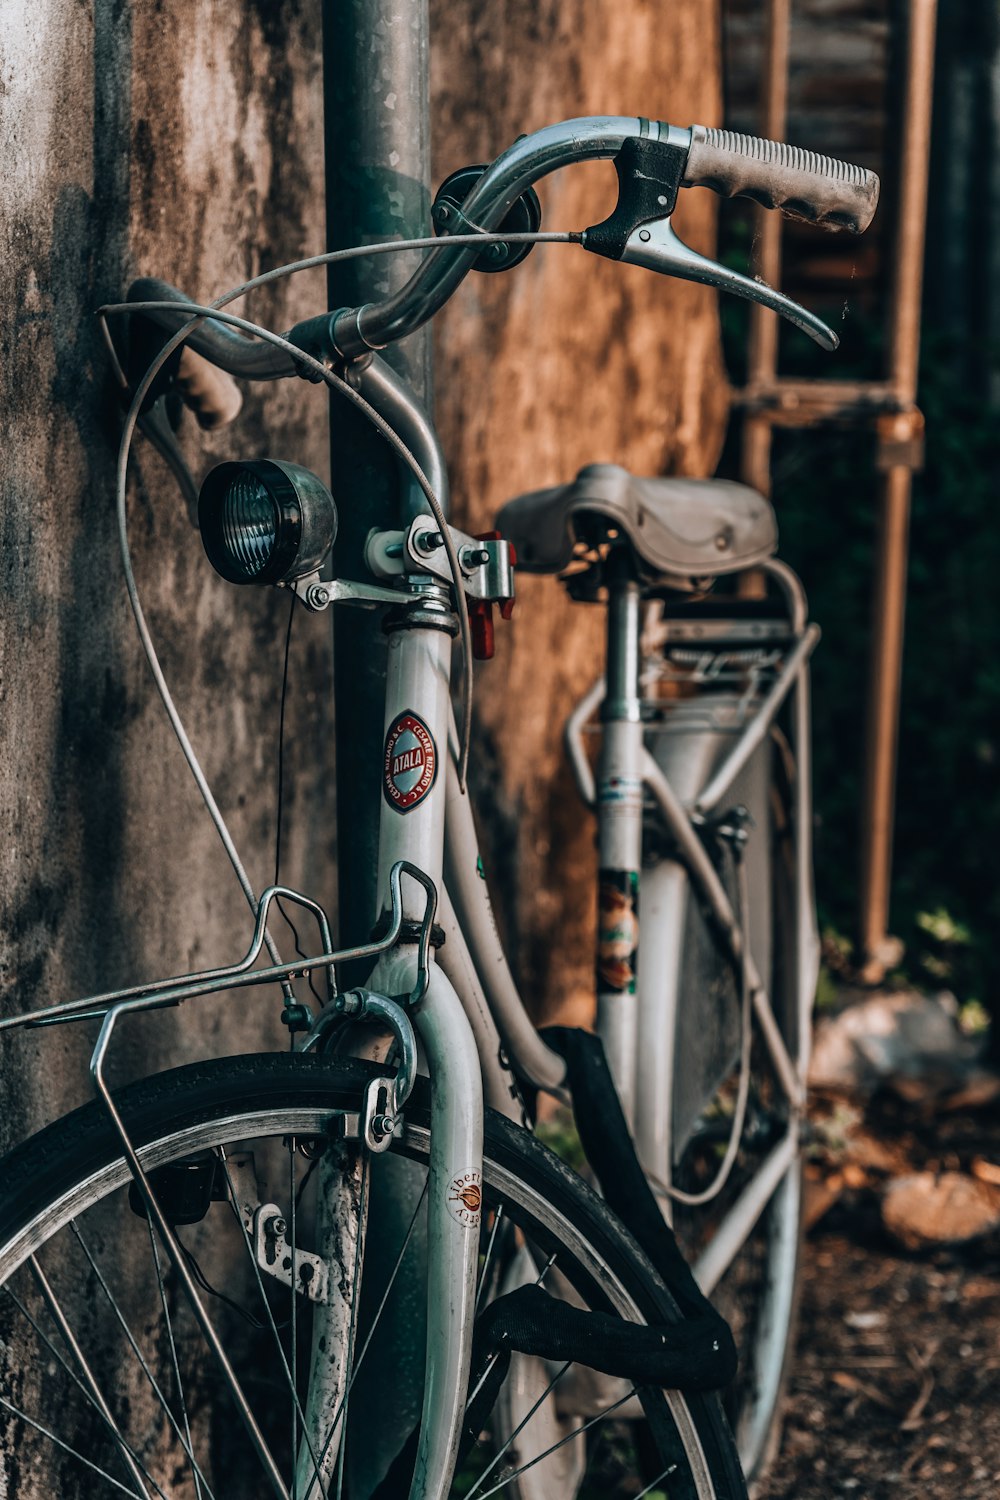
(265, 522)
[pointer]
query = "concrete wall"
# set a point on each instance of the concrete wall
(182, 140)
(185, 140)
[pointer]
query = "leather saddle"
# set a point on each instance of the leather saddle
(682, 529)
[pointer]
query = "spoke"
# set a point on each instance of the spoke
(91, 1394)
(670, 1469)
(489, 1256)
(577, 1431)
(545, 1269)
(251, 1253)
(519, 1428)
(23, 1417)
(294, 1307)
(199, 1477)
(133, 1343)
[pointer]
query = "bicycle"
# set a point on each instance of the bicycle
(443, 1306)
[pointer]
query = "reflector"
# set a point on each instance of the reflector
(264, 521)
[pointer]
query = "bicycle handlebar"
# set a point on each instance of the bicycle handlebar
(226, 348)
(654, 160)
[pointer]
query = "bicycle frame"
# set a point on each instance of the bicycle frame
(687, 780)
(471, 1019)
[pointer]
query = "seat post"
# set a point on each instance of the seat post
(619, 822)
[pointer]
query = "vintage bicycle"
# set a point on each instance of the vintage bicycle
(351, 1269)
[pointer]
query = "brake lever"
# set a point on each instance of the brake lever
(658, 247)
(639, 232)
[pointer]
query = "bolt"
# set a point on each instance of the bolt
(644, 235)
(317, 596)
(441, 213)
(383, 1124)
(277, 1227)
(498, 251)
(475, 557)
(429, 541)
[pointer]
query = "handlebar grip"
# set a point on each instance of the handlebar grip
(834, 194)
(211, 394)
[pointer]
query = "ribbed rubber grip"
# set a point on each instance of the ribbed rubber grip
(804, 185)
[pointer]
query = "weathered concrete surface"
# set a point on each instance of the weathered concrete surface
(186, 141)
(180, 140)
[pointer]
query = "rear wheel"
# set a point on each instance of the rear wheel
(107, 1385)
(749, 1261)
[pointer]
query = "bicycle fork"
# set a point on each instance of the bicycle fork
(412, 829)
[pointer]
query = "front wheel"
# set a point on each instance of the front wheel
(106, 1383)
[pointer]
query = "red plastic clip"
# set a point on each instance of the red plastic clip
(481, 611)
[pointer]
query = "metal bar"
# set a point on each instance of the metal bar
(731, 1234)
(454, 1211)
(760, 724)
(160, 994)
(762, 358)
(791, 402)
(459, 967)
(877, 950)
(619, 837)
(573, 741)
(532, 1058)
(705, 876)
(377, 139)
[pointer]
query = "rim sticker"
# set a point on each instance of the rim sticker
(409, 762)
(465, 1198)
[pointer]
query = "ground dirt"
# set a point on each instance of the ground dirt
(895, 1389)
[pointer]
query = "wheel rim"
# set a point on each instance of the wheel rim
(95, 1191)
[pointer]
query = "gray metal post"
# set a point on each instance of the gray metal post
(377, 134)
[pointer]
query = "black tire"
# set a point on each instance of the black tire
(74, 1168)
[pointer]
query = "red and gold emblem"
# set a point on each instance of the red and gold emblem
(409, 762)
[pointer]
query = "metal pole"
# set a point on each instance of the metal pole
(899, 443)
(377, 136)
(762, 362)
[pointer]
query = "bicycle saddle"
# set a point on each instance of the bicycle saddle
(681, 528)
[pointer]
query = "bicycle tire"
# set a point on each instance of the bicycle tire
(73, 1170)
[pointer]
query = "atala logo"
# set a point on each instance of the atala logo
(409, 762)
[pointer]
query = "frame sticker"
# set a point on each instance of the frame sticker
(617, 931)
(465, 1198)
(409, 762)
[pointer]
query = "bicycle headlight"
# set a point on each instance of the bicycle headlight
(265, 522)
